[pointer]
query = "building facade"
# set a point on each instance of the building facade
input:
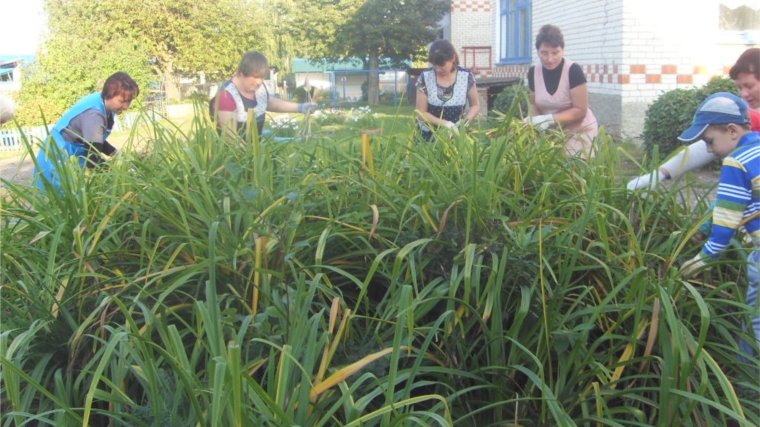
(630, 50)
(10, 71)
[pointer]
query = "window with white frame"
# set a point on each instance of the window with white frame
(514, 27)
(739, 21)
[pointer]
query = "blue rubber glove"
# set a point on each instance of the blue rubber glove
(307, 106)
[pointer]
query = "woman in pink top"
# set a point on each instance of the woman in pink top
(559, 94)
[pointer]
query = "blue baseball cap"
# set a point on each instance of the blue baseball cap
(719, 108)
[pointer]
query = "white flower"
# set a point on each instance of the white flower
(284, 124)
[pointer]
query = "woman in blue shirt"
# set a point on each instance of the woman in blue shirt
(83, 129)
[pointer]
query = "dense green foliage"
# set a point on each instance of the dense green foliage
(483, 280)
(71, 68)
(182, 37)
(672, 112)
(514, 99)
(152, 40)
(280, 42)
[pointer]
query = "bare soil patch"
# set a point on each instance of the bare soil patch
(17, 169)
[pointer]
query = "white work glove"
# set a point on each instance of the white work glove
(542, 122)
(648, 181)
(307, 106)
(452, 127)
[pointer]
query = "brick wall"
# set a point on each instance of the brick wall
(470, 24)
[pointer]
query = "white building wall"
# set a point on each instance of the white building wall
(470, 24)
(679, 46)
(14, 84)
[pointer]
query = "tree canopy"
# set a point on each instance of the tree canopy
(164, 40)
(181, 36)
(69, 68)
(150, 39)
(370, 30)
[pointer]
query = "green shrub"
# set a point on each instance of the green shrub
(717, 84)
(504, 101)
(672, 112)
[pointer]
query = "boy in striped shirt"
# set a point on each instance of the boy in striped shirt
(723, 122)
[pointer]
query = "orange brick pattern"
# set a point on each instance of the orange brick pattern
(600, 74)
(472, 6)
(480, 73)
(685, 79)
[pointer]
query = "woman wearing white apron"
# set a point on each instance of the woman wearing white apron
(443, 92)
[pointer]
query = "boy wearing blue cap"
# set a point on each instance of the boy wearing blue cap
(723, 122)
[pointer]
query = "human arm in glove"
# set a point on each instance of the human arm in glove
(94, 151)
(543, 121)
(305, 107)
(282, 106)
(88, 129)
(421, 109)
(692, 157)
(451, 126)
(575, 114)
(536, 118)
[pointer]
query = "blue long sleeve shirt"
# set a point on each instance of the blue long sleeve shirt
(738, 197)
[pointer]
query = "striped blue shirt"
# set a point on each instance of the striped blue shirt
(738, 197)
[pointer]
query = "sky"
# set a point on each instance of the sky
(21, 23)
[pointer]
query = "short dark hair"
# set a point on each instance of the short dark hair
(551, 35)
(120, 83)
(442, 51)
(748, 62)
(253, 64)
(724, 128)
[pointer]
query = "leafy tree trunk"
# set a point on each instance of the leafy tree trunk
(170, 83)
(373, 80)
